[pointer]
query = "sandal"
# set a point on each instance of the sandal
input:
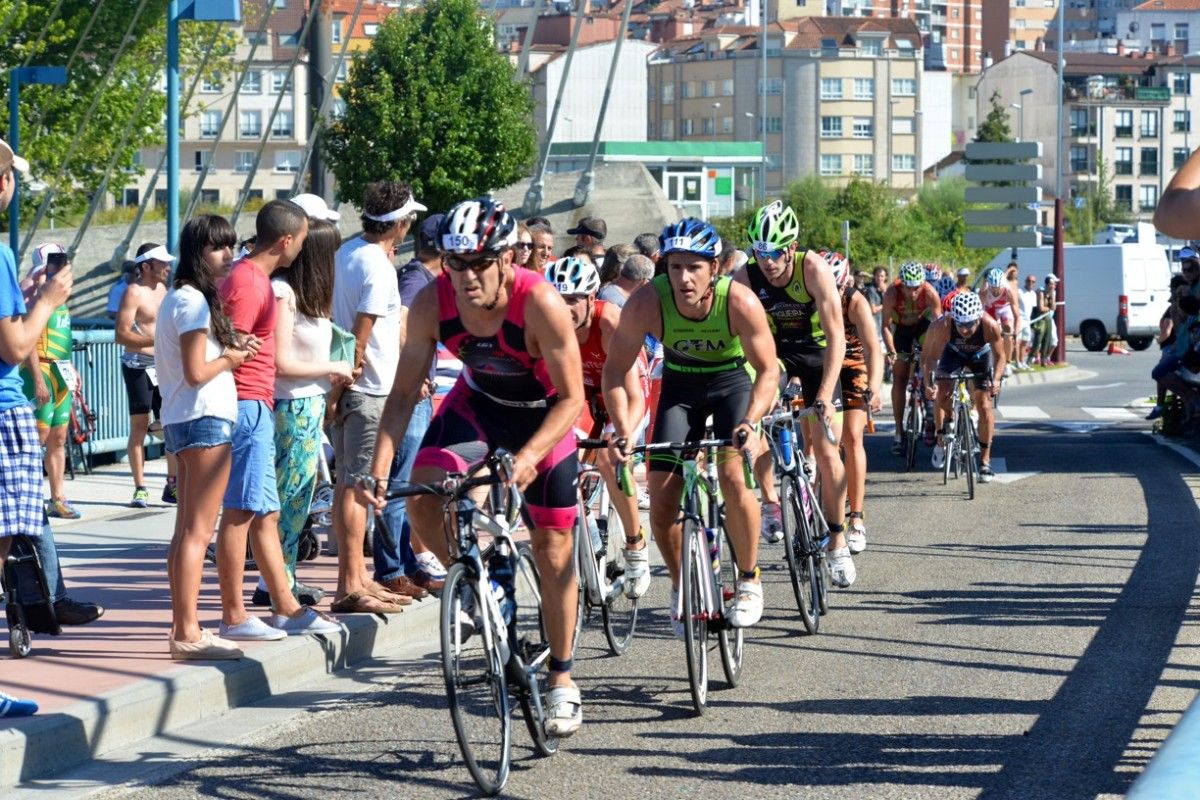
(378, 590)
(564, 711)
(363, 602)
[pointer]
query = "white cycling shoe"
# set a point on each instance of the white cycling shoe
(939, 456)
(748, 607)
(841, 567)
(637, 571)
(564, 711)
(856, 537)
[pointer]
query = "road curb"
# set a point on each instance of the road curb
(48, 744)
(1061, 375)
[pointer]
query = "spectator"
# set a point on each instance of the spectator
(542, 236)
(49, 380)
(366, 301)
(523, 249)
(614, 257)
(727, 258)
(647, 245)
(1174, 325)
(542, 221)
(1043, 329)
(136, 319)
(251, 505)
(860, 279)
(401, 564)
(635, 271)
(304, 375)
(963, 278)
(1027, 298)
(196, 350)
(128, 275)
(21, 325)
(590, 232)
(316, 208)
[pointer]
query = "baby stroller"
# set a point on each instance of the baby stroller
(26, 615)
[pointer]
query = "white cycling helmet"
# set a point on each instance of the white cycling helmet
(994, 277)
(966, 307)
(573, 276)
(840, 266)
(912, 274)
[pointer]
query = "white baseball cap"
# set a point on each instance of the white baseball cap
(157, 253)
(316, 207)
(41, 252)
(10, 159)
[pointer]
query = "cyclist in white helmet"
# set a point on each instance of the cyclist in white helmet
(909, 306)
(1001, 304)
(595, 322)
(964, 338)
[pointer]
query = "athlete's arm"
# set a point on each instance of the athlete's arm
(1015, 304)
(889, 308)
(748, 320)
(642, 314)
(551, 334)
(932, 301)
(863, 319)
(994, 335)
(819, 278)
(126, 316)
(610, 317)
(936, 339)
(19, 335)
(1180, 203)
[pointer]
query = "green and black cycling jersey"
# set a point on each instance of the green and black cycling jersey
(791, 309)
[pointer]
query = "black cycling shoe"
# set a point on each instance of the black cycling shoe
(72, 612)
(305, 595)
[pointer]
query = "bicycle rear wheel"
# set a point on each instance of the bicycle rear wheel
(730, 640)
(582, 548)
(528, 633)
(967, 448)
(694, 569)
(913, 424)
(797, 547)
(476, 689)
(619, 612)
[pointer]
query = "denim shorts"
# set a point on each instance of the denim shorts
(252, 485)
(202, 432)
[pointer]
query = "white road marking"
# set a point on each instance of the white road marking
(1022, 412)
(1090, 386)
(1076, 426)
(1000, 467)
(1108, 412)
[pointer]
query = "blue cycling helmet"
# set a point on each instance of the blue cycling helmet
(932, 273)
(994, 277)
(690, 236)
(945, 285)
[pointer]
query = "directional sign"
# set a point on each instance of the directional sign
(1004, 172)
(1002, 239)
(1002, 216)
(1004, 194)
(1003, 151)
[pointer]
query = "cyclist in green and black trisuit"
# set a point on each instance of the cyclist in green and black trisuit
(798, 291)
(711, 330)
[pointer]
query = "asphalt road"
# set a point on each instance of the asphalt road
(1038, 642)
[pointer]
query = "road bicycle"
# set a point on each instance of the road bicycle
(914, 410)
(599, 538)
(805, 530)
(82, 422)
(493, 637)
(959, 442)
(708, 580)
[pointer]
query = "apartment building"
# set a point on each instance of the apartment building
(843, 96)
(952, 30)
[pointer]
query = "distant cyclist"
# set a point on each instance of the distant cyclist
(966, 338)
(909, 306)
(1002, 304)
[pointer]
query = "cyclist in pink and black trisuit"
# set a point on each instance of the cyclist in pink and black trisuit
(521, 389)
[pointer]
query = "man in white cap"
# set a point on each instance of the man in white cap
(137, 317)
(316, 208)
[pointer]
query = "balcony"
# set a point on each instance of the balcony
(1080, 165)
(1083, 131)
(1124, 132)
(1148, 133)
(1148, 168)
(1122, 167)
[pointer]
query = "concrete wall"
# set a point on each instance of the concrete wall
(625, 119)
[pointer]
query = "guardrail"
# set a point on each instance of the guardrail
(99, 363)
(1174, 772)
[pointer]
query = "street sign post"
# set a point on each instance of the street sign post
(1008, 192)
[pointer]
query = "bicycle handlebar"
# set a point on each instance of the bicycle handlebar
(625, 479)
(797, 413)
(500, 463)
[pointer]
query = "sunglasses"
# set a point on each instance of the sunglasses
(457, 264)
(523, 245)
(771, 254)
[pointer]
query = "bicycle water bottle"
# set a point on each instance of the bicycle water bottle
(501, 578)
(714, 550)
(785, 445)
(594, 534)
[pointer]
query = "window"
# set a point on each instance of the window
(253, 82)
(130, 197)
(1148, 163)
(1149, 124)
(287, 160)
(282, 126)
(864, 128)
(210, 197)
(1123, 195)
(1181, 31)
(774, 86)
(668, 129)
(1079, 158)
(1123, 163)
(774, 125)
(1079, 122)
(254, 194)
(278, 3)
(831, 88)
(210, 124)
(1183, 121)
(338, 108)
(1147, 197)
(686, 127)
(708, 89)
(864, 164)
(831, 164)
(1124, 124)
(727, 87)
(687, 89)
(954, 31)
(256, 37)
(668, 93)
(726, 124)
(243, 161)
(289, 39)
(342, 72)
(904, 87)
(281, 81)
(864, 88)
(773, 163)
(904, 125)
(1181, 83)
(870, 47)
(210, 86)
(831, 127)
(1158, 31)
(370, 28)
(1179, 155)
(707, 126)
(250, 124)
(200, 158)
(337, 31)
(160, 198)
(904, 162)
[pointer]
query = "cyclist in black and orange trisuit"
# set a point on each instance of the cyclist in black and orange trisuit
(909, 306)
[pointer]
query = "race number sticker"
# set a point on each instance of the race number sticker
(683, 242)
(66, 371)
(460, 241)
(152, 374)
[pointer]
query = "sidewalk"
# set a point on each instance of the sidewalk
(112, 683)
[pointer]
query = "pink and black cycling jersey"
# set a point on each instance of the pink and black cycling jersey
(498, 366)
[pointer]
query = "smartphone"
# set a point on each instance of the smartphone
(55, 262)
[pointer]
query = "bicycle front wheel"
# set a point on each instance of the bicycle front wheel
(620, 611)
(529, 637)
(797, 547)
(476, 689)
(967, 448)
(730, 640)
(913, 423)
(694, 570)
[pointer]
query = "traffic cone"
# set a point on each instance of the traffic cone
(1114, 349)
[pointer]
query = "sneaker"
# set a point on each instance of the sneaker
(305, 595)
(430, 565)
(73, 612)
(643, 499)
(11, 707)
(676, 623)
(1008, 370)
(141, 498)
(897, 445)
(985, 473)
(209, 648)
(1155, 412)
(856, 536)
(939, 456)
(841, 567)
(61, 509)
(308, 621)
(252, 630)
(170, 494)
(748, 607)
(637, 571)
(772, 523)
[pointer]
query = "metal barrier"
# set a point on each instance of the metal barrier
(104, 390)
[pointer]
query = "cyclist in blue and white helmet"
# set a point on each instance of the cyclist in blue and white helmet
(933, 273)
(994, 277)
(945, 285)
(710, 327)
(968, 339)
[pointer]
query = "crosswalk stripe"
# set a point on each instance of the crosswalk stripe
(1109, 413)
(1022, 412)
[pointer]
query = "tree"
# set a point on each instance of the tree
(995, 127)
(434, 104)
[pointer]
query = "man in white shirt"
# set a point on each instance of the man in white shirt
(366, 302)
(1027, 297)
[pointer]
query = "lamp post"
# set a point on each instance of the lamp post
(918, 140)
(56, 76)
(760, 189)
(1187, 114)
(1020, 107)
(716, 107)
(891, 142)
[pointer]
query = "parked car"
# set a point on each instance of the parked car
(1115, 234)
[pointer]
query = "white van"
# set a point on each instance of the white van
(1119, 290)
